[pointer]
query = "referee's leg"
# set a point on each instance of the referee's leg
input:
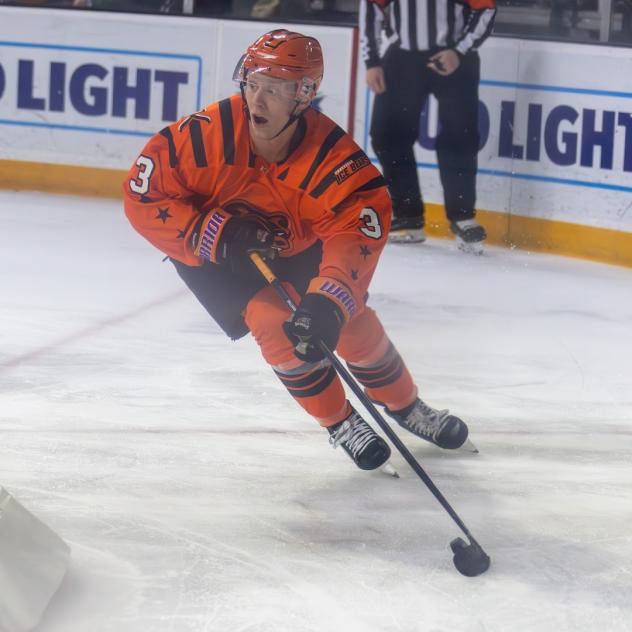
(394, 130)
(458, 137)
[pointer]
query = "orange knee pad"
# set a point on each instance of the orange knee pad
(315, 387)
(265, 315)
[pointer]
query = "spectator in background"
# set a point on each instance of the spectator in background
(625, 8)
(431, 50)
(265, 9)
(139, 6)
(216, 8)
(311, 10)
(38, 3)
(564, 16)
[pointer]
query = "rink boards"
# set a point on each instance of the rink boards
(81, 92)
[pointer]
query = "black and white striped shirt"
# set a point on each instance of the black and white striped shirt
(422, 25)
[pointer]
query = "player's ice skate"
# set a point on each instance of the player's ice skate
(406, 230)
(469, 236)
(366, 448)
(436, 426)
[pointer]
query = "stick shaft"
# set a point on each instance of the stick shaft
(263, 267)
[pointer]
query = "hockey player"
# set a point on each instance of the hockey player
(263, 171)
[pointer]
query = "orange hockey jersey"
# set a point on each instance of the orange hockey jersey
(326, 189)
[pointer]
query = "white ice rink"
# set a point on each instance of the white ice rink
(196, 496)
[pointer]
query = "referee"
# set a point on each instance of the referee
(430, 49)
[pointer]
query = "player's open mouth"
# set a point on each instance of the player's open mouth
(259, 120)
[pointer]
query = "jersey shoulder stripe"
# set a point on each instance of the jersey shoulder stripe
(185, 140)
(340, 172)
(197, 142)
(228, 130)
(328, 143)
(173, 156)
(376, 183)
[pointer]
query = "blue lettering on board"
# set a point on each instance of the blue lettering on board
(96, 105)
(592, 138)
(563, 135)
(2, 81)
(97, 90)
(567, 153)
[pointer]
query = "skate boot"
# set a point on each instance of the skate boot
(366, 448)
(437, 426)
(469, 235)
(406, 230)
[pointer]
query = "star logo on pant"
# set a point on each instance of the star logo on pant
(365, 252)
(163, 214)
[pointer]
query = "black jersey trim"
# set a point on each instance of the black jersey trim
(173, 156)
(330, 178)
(228, 131)
(197, 141)
(377, 183)
(332, 138)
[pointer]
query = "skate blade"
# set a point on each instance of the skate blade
(407, 236)
(388, 469)
(471, 248)
(468, 446)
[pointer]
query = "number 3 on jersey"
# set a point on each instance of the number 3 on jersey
(145, 169)
(372, 227)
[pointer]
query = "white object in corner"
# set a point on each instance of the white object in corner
(33, 562)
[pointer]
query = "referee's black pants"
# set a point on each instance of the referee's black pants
(395, 128)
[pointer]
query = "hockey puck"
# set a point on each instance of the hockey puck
(469, 559)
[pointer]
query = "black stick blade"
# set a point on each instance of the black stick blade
(469, 559)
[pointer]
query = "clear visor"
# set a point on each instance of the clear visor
(270, 81)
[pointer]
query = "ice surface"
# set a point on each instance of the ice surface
(196, 495)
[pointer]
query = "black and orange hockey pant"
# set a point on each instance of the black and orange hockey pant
(249, 304)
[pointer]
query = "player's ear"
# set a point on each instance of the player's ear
(306, 92)
(301, 106)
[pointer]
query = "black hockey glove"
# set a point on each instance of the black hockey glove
(226, 240)
(316, 320)
(239, 237)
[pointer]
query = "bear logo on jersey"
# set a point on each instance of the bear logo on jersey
(276, 223)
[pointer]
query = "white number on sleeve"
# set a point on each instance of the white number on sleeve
(145, 169)
(372, 227)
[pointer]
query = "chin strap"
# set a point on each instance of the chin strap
(292, 118)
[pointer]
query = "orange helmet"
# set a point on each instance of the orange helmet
(285, 55)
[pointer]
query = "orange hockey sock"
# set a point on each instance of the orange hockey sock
(375, 362)
(315, 386)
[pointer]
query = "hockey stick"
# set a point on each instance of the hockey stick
(469, 559)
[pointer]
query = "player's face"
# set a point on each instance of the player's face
(270, 102)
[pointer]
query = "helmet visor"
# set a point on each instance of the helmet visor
(273, 80)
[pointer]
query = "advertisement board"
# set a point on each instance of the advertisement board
(88, 89)
(556, 133)
(84, 91)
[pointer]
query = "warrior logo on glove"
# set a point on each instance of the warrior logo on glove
(226, 235)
